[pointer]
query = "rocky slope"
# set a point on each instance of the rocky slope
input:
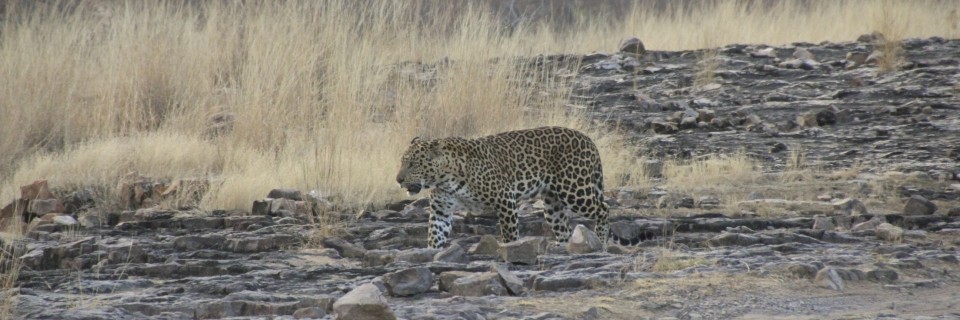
(826, 258)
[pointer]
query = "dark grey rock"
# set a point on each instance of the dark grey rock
(345, 248)
(408, 282)
(883, 275)
(487, 246)
(525, 250)
(917, 204)
(377, 258)
(453, 253)
(478, 284)
(446, 279)
(418, 255)
(632, 45)
(292, 194)
(733, 239)
(513, 284)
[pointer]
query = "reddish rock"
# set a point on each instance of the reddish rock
(36, 190)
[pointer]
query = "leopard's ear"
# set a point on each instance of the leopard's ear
(415, 139)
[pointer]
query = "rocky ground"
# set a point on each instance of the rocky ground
(833, 256)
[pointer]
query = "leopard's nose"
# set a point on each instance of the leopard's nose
(399, 180)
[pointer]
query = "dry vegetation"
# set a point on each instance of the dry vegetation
(323, 95)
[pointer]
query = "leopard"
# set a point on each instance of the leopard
(495, 173)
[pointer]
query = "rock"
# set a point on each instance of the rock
(850, 207)
(36, 190)
(43, 206)
(583, 240)
(376, 258)
(15, 210)
(856, 58)
(525, 250)
(261, 207)
(281, 204)
(733, 239)
(363, 303)
(675, 200)
(872, 38)
(706, 115)
(829, 278)
(826, 118)
(408, 282)
(137, 191)
(889, 232)
(817, 119)
(802, 270)
(652, 167)
(778, 147)
(309, 313)
(344, 248)
(872, 224)
(291, 194)
(510, 280)
(632, 45)
(64, 220)
(883, 275)
(453, 253)
(418, 255)
(688, 123)
(478, 285)
(708, 202)
(446, 279)
(93, 219)
(918, 205)
(823, 223)
(78, 200)
(386, 238)
(954, 212)
(803, 54)
(663, 127)
(764, 53)
(804, 64)
(874, 57)
(487, 246)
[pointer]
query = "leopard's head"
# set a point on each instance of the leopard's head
(424, 165)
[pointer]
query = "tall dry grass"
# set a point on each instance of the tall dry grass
(327, 94)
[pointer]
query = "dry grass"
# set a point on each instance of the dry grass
(890, 46)
(706, 68)
(317, 91)
(10, 266)
(728, 177)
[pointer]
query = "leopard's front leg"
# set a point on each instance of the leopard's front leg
(440, 222)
